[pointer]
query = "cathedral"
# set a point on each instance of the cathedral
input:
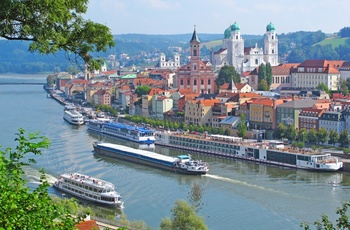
(233, 52)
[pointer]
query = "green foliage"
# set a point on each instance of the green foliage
(263, 86)
(279, 131)
(23, 208)
(322, 135)
(143, 90)
(344, 32)
(51, 79)
(241, 127)
(183, 217)
(344, 138)
(302, 135)
(55, 25)
(323, 87)
(333, 137)
(226, 74)
(227, 132)
(290, 133)
(312, 136)
(325, 224)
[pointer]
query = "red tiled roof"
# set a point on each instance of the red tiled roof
(87, 225)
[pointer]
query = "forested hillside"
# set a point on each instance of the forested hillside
(293, 47)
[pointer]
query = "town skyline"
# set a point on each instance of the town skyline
(179, 16)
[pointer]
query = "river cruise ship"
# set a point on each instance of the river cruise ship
(181, 164)
(134, 133)
(89, 188)
(269, 152)
(72, 116)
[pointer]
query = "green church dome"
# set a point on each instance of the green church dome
(235, 27)
(270, 27)
(227, 33)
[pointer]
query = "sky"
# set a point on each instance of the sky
(214, 16)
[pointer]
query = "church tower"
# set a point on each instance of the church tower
(236, 47)
(271, 45)
(195, 75)
(195, 53)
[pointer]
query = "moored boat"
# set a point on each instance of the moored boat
(89, 188)
(268, 152)
(72, 116)
(137, 134)
(181, 164)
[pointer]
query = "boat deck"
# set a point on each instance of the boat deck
(140, 152)
(81, 178)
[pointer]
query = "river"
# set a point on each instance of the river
(234, 195)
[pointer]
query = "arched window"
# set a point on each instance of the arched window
(256, 61)
(273, 51)
(194, 52)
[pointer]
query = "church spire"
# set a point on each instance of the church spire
(194, 35)
(232, 87)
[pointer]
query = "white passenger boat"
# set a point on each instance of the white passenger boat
(268, 152)
(89, 188)
(134, 133)
(180, 164)
(72, 116)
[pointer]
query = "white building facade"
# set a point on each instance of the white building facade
(233, 52)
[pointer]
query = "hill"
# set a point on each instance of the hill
(334, 42)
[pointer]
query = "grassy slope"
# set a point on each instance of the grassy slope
(334, 41)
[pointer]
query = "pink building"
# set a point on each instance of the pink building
(196, 75)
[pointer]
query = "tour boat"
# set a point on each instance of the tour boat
(269, 152)
(134, 133)
(89, 188)
(72, 116)
(180, 164)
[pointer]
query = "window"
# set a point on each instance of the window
(194, 52)
(256, 61)
(195, 82)
(209, 82)
(181, 82)
(202, 82)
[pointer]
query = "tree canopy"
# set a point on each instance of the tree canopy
(226, 74)
(23, 208)
(55, 25)
(183, 217)
(142, 90)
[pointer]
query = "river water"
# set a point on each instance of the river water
(234, 195)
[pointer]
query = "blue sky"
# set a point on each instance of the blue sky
(214, 16)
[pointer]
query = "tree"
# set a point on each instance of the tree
(322, 135)
(226, 75)
(344, 138)
(325, 224)
(312, 136)
(344, 32)
(55, 25)
(227, 132)
(333, 137)
(183, 217)
(290, 133)
(23, 208)
(50, 80)
(323, 87)
(143, 90)
(261, 72)
(268, 74)
(263, 86)
(279, 131)
(302, 135)
(241, 127)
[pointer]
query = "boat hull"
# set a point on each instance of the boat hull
(139, 160)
